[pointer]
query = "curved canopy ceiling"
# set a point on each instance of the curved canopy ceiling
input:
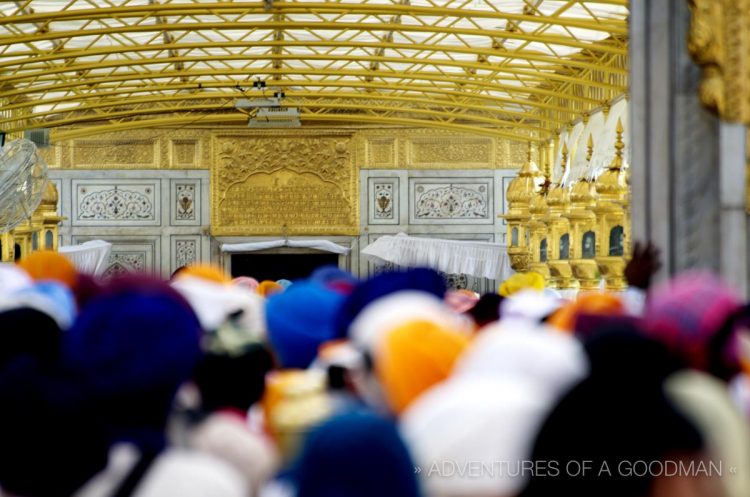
(518, 69)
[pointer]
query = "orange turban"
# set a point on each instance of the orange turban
(50, 265)
(206, 272)
(268, 288)
(414, 357)
(599, 303)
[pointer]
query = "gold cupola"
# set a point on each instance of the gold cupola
(583, 236)
(519, 194)
(612, 218)
(558, 229)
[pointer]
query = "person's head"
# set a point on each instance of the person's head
(52, 440)
(486, 310)
(693, 315)
(414, 357)
(135, 345)
(29, 332)
(358, 454)
(616, 417)
(300, 320)
(421, 280)
(233, 380)
(50, 265)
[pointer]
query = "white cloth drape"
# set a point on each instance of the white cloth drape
(89, 257)
(324, 245)
(480, 259)
(604, 144)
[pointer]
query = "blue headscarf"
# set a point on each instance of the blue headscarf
(299, 320)
(421, 279)
(134, 346)
(357, 454)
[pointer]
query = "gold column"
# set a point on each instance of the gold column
(583, 236)
(519, 196)
(558, 229)
(7, 246)
(613, 220)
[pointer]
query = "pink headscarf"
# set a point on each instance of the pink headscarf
(687, 312)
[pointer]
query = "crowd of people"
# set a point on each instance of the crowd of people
(391, 386)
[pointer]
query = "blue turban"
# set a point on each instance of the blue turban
(329, 274)
(138, 336)
(358, 454)
(299, 320)
(420, 279)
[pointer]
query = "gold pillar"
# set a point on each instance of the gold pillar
(519, 196)
(583, 236)
(7, 246)
(558, 229)
(613, 220)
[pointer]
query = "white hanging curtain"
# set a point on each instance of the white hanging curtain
(573, 139)
(579, 165)
(604, 146)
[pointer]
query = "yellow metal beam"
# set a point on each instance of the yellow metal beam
(31, 58)
(317, 26)
(239, 119)
(291, 96)
(131, 91)
(536, 76)
(145, 111)
(239, 8)
(412, 76)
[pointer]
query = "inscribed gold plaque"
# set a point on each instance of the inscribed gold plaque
(272, 185)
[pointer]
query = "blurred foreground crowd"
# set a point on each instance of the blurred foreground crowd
(386, 387)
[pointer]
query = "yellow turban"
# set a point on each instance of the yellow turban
(522, 281)
(414, 357)
(50, 265)
(600, 303)
(206, 272)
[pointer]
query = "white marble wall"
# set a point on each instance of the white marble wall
(451, 204)
(156, 220)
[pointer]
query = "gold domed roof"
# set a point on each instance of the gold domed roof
(528, 182)
(583, 192)
(558, 195)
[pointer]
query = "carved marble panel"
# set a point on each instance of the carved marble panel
(116, 203)
(185, 250)
(383, 200)
(129, 253)
(185, 202)
(451, 201)
(125, 262)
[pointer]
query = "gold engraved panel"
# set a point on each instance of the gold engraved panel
(381, 153)
(107, 154)
(184, 153)
(276, 184)
(465, 151)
